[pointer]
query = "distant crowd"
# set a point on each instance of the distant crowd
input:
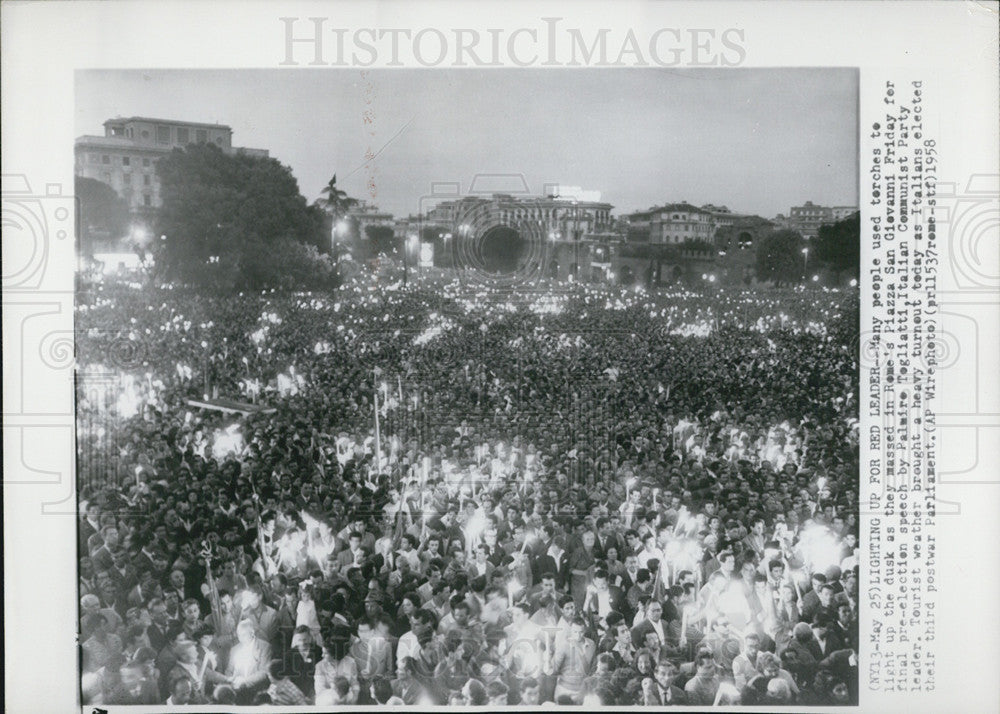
(446, 495)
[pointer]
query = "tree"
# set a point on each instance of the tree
(336, 204)
(290, 264)
(637, 235)
(780, 258)
(380, 239)
(103, 214)
(697, 245)
(228, 217)
(319, 234)
(838, 245)
(335, 201)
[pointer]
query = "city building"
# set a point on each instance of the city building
(842, 212)
(573, 228)
(807, 219)
(125, 157)
(682, 242)
(366, 214)
(675, 223)
(556, 217)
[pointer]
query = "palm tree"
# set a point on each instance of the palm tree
(336, 202)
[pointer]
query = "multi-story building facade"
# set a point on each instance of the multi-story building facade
(842, 212)
(558, 218)
(368, 214)
(807, 219)
(125, 157)
(676, 223)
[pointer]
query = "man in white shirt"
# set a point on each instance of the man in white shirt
(745, 663)
(409, 642)
(525, 643)
(649, 551)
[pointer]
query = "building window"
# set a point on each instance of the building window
(127, 179)
(218, 140)
(182, 136)
(201, 135)
(145, 134)
(126, 161)
(163, 134)
(145, 163)
(105, 159)
(147, 200)
(147, 180)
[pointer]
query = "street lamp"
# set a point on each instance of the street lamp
(140, 235)
(551, 253)
(805, 261)
(408, 247)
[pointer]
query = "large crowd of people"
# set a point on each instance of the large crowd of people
(451, 494)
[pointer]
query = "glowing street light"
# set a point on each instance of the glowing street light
(140, 235)
(410, 246)
(854, 283)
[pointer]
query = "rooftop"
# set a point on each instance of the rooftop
(122, 120)
(671, 207)
(518, 198)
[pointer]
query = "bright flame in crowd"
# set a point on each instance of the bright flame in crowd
(227, 442)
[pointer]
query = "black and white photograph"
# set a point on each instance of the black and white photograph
(481, 389)
(486, 356)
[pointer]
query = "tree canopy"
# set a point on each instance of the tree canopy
(233, 220)
(697, 245)
(838, 245)
(780, 258)
(335, 201)
(380, 239)
(103, 214)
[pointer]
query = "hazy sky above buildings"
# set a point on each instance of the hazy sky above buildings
(756, 140)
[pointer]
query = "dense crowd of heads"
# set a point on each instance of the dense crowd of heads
(461, 494)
